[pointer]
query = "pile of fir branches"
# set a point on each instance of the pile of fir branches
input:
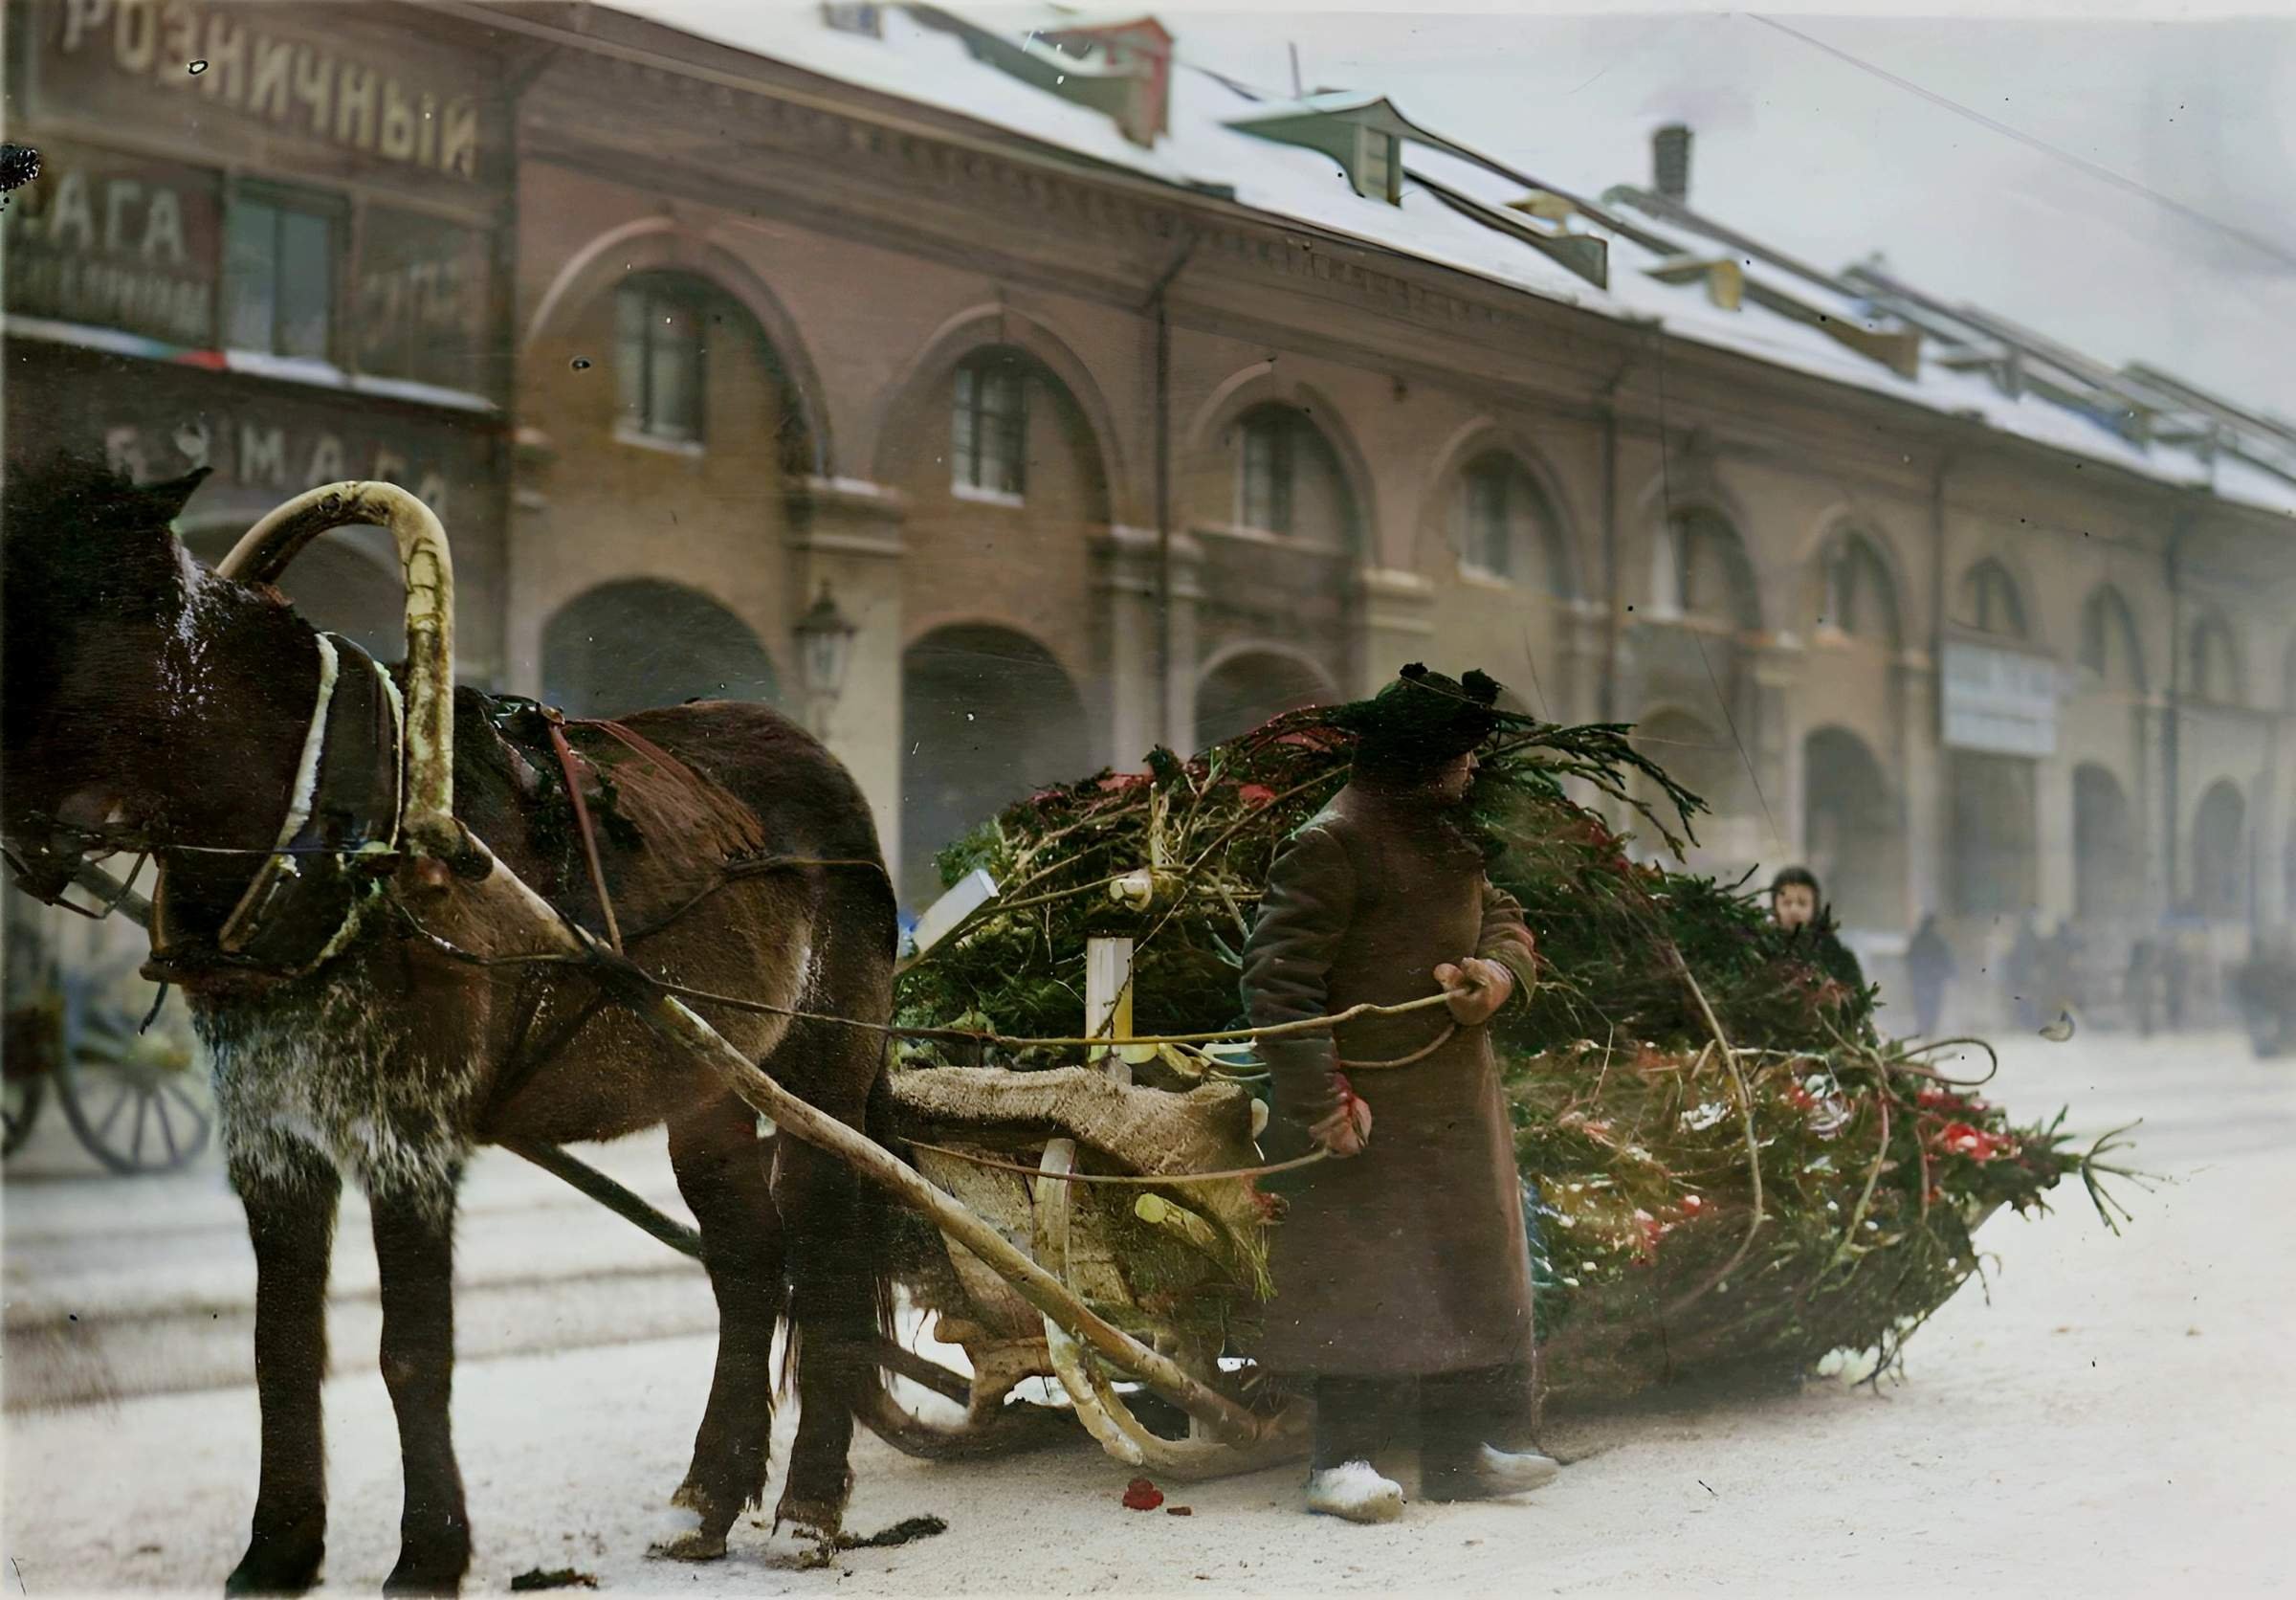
(1726, 1163)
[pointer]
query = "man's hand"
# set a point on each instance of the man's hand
(1475, 987)
(1347, 1130)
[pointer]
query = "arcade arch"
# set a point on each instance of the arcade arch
(640, 642)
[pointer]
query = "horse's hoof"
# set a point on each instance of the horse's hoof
(285, 1566)
(432, 1566)
(696, 1546)
(813, 1519)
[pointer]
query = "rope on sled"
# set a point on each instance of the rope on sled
(1231, 1173)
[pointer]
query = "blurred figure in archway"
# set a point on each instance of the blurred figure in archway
(2141, 986)
(1929, 967)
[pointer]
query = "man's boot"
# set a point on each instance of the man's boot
(1354, 1419)
(1355, 1490)
(1459, 1414)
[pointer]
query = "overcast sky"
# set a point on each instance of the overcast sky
(1830, 161)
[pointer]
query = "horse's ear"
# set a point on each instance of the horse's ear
(168, 500)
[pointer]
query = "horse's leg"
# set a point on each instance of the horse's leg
(827, 1213)
(836, 1230)
(721, 1173)
(414, 1250)
(290, 1198)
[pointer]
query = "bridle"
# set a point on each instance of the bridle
(339, 834)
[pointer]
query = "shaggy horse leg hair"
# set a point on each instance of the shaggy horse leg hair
(289, 1202)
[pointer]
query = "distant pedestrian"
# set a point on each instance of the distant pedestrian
(1794, 897)
(1797, 907)
(2020, 973)
(2141, 986)
(2175, 982)
(1929, 967)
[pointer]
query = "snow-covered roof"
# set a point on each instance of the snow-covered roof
(1857, 327)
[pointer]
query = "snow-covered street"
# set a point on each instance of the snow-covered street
(2114, 1417)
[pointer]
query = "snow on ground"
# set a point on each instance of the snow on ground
(2114, 1418)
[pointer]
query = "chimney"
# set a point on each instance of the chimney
(1671, 163)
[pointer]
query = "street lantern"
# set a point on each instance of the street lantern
(825, 647)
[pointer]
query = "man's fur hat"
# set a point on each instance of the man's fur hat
(1422, 720)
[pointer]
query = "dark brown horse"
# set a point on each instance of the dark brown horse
(149, 704)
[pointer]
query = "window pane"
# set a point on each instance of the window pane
(1006, 448)
(306, 287)
(673, 379)
(1487, 521)
(630, 355)
(1259, 476)
(251, 242)
(964, 461)
(1279, 475)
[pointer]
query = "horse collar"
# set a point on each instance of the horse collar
(302, 904)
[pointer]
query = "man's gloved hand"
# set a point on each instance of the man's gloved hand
(1476, 988)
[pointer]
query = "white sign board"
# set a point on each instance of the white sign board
(2000, 701)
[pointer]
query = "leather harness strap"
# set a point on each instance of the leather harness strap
(584, 831)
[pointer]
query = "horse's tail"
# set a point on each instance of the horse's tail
(842, 1234)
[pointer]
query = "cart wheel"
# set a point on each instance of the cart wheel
(130, 1094)
(24, 1097)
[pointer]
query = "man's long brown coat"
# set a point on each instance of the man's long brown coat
(1409, 1257)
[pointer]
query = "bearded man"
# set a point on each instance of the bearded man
(1402, 1273)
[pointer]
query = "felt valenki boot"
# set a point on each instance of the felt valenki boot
(1457, 1462)
(1354, 1418)
(1356, 1491)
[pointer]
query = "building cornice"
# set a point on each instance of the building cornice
(1106, 229)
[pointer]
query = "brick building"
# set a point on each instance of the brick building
(1115, 407)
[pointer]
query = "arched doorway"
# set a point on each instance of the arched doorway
(1852, 840)
(2107, 867)
(1248, 689)
(987, 716)
(2221, 852)
(642, 642)
(1994, 832)
(335, 583)
(1705, 761)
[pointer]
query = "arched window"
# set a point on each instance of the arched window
(1503, 525)
(1287, 478)
(1860, 599)
(658, 367)
(988, 425)
(2215, 674)
(1989, 602)
(2108, 644)
(1701, 571)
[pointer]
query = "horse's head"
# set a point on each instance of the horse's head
(99, 648)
